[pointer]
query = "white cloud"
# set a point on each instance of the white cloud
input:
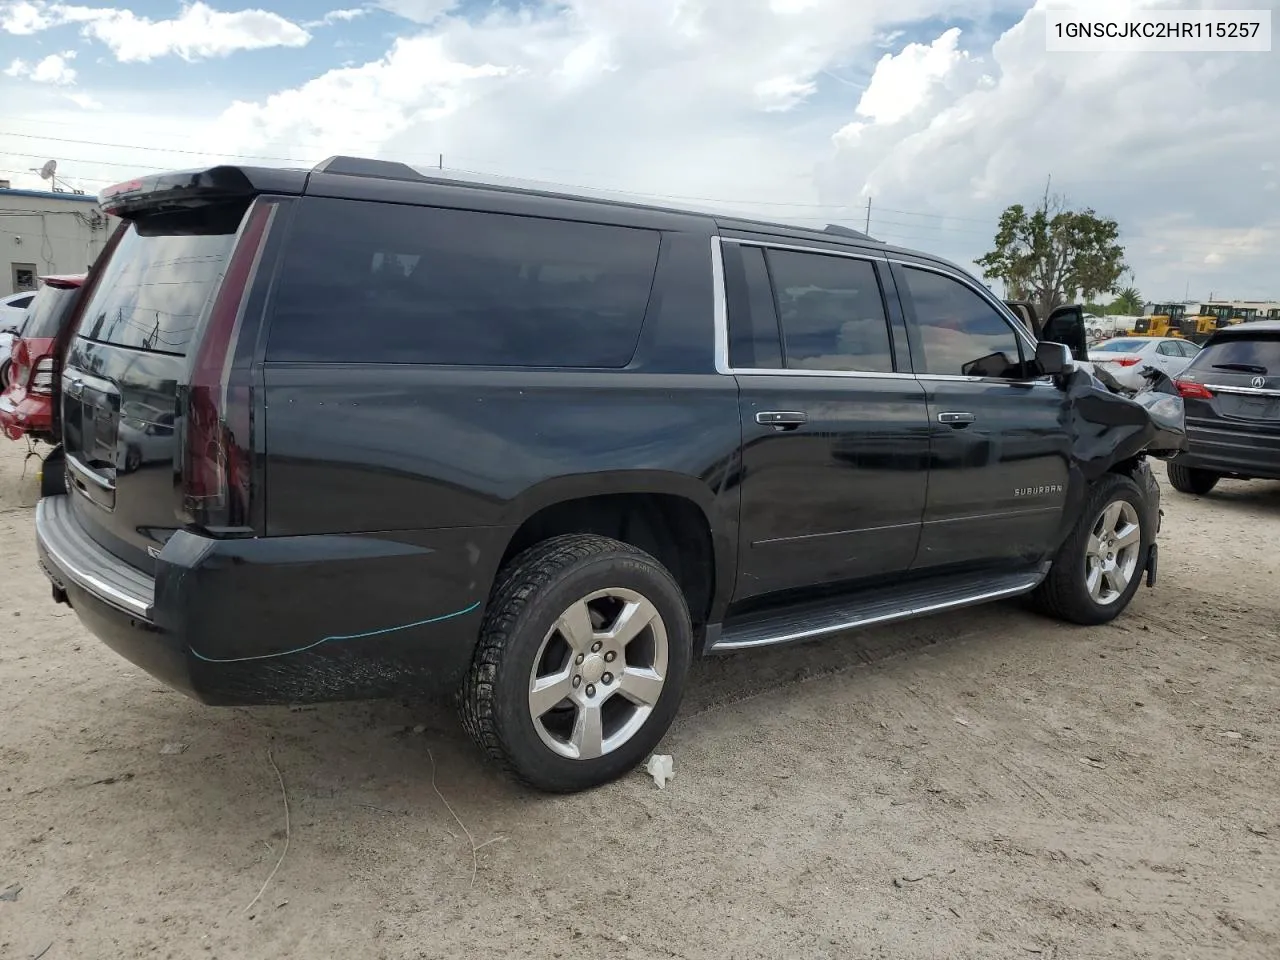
(419, 11)
(84, 101)
(1168, 144)
(198, 32)
(24, 18)
(902, 83)
(337, 16)
(415, 83)
(803, 107)
(54, 69)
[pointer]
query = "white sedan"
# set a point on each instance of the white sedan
(1125, 357)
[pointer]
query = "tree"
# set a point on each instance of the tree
(1053, 255)
(1128, 301)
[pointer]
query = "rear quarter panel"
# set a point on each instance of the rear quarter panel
(355, 448)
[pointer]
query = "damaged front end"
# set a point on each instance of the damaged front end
(1114, 429)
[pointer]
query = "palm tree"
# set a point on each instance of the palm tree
(1127, 301)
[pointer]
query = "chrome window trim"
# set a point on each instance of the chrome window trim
(720, 308)
(721, 319)
(721, 314)
(846, 254)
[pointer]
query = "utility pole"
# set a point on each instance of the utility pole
(867, 226)
(442, 161)
(1048, 180)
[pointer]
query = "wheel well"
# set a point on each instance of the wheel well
(672, 529)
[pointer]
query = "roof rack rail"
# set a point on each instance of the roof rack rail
(364, 167)
(846, 232)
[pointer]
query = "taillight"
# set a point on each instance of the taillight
(215, 475)
(42, 377)
(1127, 361)
(1190, 390)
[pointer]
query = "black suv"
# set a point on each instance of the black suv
(407, 434)
(1232, 395)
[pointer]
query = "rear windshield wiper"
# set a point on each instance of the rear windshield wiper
(1241, 367)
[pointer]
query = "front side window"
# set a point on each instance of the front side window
(961, 334)
(831, 313)
(385, 283)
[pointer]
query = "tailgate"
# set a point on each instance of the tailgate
(124, 379)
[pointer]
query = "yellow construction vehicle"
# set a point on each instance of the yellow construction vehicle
(1164, 320)
(1199, 325)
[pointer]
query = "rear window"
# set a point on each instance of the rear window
(1262, 354)
(1120, 346)
(48, 311)
(381, 283)
(158, 281)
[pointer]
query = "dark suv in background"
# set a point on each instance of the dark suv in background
(1232, 396)
(410, 434)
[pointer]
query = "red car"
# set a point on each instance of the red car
(26, 406)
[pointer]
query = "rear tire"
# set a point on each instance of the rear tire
(1101, 565)
(549, 635)
(6, 368)
(1192, 481)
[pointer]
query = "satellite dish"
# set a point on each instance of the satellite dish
(48, 170)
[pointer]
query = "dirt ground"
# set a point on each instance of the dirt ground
(981, 784)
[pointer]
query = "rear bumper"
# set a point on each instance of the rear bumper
(1232, 453)
(27, 415)
(276, 620)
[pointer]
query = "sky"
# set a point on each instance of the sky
(941, 113)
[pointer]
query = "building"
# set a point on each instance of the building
(44, 233)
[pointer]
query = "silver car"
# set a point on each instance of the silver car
(1126, 357)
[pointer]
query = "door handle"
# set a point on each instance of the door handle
(957, 419)
(782, 419)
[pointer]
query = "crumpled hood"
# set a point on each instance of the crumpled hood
(1109, 424)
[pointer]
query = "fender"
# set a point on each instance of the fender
(716, 495)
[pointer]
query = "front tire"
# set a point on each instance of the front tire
(1192, 481)
(1100, 566)
(581, 663)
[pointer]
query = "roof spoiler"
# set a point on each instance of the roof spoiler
(188, 189)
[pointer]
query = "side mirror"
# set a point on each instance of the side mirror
(1053, 359)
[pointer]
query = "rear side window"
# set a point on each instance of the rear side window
(754, 340)
(382, 283)
(165, 270)
(831, 313)
(47, 312)
(1239, 355)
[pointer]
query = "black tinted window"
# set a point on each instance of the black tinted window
(754, 341)
(48, 311)
(1260, 356)
(159, 280)
(21, 303)
(379, 283)
(831, 313)
(961, 334)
